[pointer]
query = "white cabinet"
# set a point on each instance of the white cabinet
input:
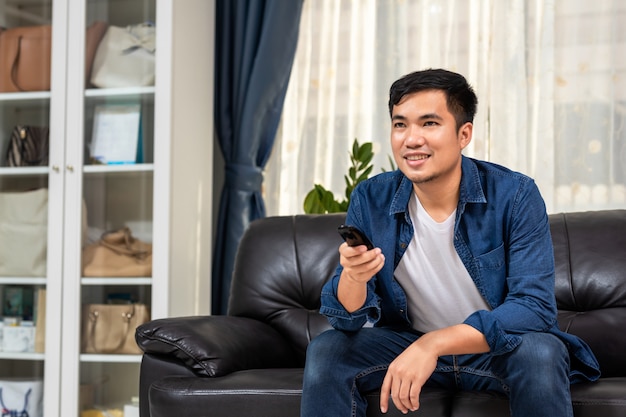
(164, 197)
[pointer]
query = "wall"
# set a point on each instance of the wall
(191, 157)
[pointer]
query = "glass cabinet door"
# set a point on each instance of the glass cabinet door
(30, 241)
(115, 271)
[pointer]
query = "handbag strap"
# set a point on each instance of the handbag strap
(126, 317)
(127, 249)
(14, 413)
(15, 62)
(22, 135)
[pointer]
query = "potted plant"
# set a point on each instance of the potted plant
(320, 200)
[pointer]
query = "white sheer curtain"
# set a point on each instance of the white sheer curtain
(550, 76)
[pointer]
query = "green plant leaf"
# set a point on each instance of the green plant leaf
(364, 152)
(312, 202)
(355, 147)
(320, 200)
(365, 174)
(352, 173)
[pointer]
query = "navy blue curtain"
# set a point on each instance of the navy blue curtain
(255, 46)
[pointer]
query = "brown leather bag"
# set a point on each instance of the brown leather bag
(110, 328)
(118, 254)
(25, 58)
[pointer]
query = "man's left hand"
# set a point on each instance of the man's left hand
(405, 377)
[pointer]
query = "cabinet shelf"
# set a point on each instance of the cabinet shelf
(111, 358)
(119, 92)
(125, 168)
(37, 97)
(23, 356)
(28, 96)
(22, 281)
(24, 171)
(115, 281)
(88, 169)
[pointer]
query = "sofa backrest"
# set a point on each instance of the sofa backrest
(281, 265)
(590, 262)
(283, 262)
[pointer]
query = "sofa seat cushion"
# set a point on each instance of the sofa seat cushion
(259, 393)
(277, 392)
(606, 398)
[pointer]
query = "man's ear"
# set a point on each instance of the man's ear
(465, 134)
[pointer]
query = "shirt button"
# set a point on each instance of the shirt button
(403, 245)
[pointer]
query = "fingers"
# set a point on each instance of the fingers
(359, 263)
(408, 398)
(404, 394)
(385, 393)
(349, 252)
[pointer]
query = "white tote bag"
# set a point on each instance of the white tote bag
(23, 233)
(125, 57)
(21, 397)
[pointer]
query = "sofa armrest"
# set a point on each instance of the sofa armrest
(216, 345)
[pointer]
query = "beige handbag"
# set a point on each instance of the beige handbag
(125, 57)
(110, 328)
(118, 254)
(23, 233)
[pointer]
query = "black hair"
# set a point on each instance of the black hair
(460, 97)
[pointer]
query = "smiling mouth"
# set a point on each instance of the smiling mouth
(416, 157)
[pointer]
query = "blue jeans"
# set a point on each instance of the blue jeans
(342, 366)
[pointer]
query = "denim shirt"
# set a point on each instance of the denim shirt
(501, 235)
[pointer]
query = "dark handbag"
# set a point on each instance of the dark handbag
(28, 146)
(25, 58)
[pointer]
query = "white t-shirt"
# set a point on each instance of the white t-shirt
(439, 290)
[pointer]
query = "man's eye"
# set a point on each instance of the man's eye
(398, 125)
(430, 123)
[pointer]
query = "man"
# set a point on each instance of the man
(460, 285)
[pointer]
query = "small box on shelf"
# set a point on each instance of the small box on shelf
(17, 335)
(18, 302)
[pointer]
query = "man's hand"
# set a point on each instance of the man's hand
(358, 263)
(408, 373)
(405, 377)
(359, 266)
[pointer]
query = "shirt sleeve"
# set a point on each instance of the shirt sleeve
(530, 304)
(338, 316)
(332, 308)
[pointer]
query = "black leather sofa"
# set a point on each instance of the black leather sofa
(249, 363)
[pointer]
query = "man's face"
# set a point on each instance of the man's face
(425, 142)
